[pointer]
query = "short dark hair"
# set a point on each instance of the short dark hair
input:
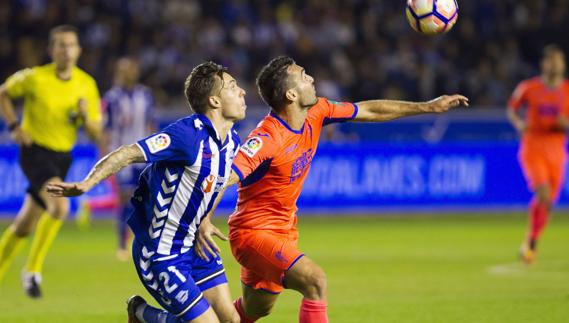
(272, 81)
(61, 29)
(200, 83)
(551, 49)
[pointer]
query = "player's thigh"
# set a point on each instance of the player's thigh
(208, 316)
(257, 303)
(57, 207)
(219, 297)
(535, 170)
(265, 256)
(27, 217)
(170, 283)
(557, 169)
(307, 277)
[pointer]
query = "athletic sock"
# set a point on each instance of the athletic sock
(10, 245)
(47, 229)
(313, 311)
(241, 312)
(539, 215)
(149, 314)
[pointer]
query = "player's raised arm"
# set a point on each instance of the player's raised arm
(385, 110)
(105, 167)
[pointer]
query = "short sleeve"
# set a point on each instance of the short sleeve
(175, 143)
(334, 111)
(257, 149)
(93, 103)
(19, 83)
(519, 97)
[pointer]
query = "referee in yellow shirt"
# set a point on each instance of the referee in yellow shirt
(58, 99)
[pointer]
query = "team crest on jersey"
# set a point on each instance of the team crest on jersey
(252, 146)
(158, 143)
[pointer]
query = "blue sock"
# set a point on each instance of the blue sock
(154, 315)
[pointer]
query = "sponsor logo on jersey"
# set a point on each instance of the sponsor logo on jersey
(548, 110)
(158, 142)
(207, 184)
(252, 146)
(301, 165)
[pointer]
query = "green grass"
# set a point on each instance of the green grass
(380, 269)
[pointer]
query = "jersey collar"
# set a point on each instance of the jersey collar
(298, 132)
(212, 131)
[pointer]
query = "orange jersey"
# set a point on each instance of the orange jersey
(273, 163)
(544, 106)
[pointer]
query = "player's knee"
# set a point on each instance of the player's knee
(544, 194)
(234, 318)
(318, 284)
(228, 315)
(22, 229)
(58, 208)
(314, 284)
(260, 310)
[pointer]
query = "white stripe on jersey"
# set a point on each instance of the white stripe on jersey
(181, 200)
(228, 161)
(214, 170)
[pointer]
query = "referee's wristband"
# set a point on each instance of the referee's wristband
(12, 126)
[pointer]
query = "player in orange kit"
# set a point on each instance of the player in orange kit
(542, 151)
(272, 166)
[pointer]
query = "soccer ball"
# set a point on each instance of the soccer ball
(432, 17)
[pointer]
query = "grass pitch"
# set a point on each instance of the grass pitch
(451, 268)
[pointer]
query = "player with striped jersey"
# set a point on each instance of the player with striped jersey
(189, 164)
(128, 108)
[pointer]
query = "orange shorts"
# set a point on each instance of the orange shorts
(542, 168)
(264, 256)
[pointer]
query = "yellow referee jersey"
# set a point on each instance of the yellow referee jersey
(50, 104)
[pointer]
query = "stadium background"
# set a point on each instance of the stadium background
(459, 267)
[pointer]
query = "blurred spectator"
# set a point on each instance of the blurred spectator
(356, 49)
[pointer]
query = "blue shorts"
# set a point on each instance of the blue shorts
(177, 284)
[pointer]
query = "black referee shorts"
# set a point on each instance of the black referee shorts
(40, 164)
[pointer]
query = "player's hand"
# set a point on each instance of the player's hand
(67, 189)
(521, 127)
(204, 241)
(21, 137)
(562, 123)
(82, 109)
(446, 102)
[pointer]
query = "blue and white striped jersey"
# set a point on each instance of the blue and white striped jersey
(128, 113)
(189, 167)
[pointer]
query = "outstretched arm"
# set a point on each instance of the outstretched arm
(204, 241)
(385, 110)
(105, 167)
